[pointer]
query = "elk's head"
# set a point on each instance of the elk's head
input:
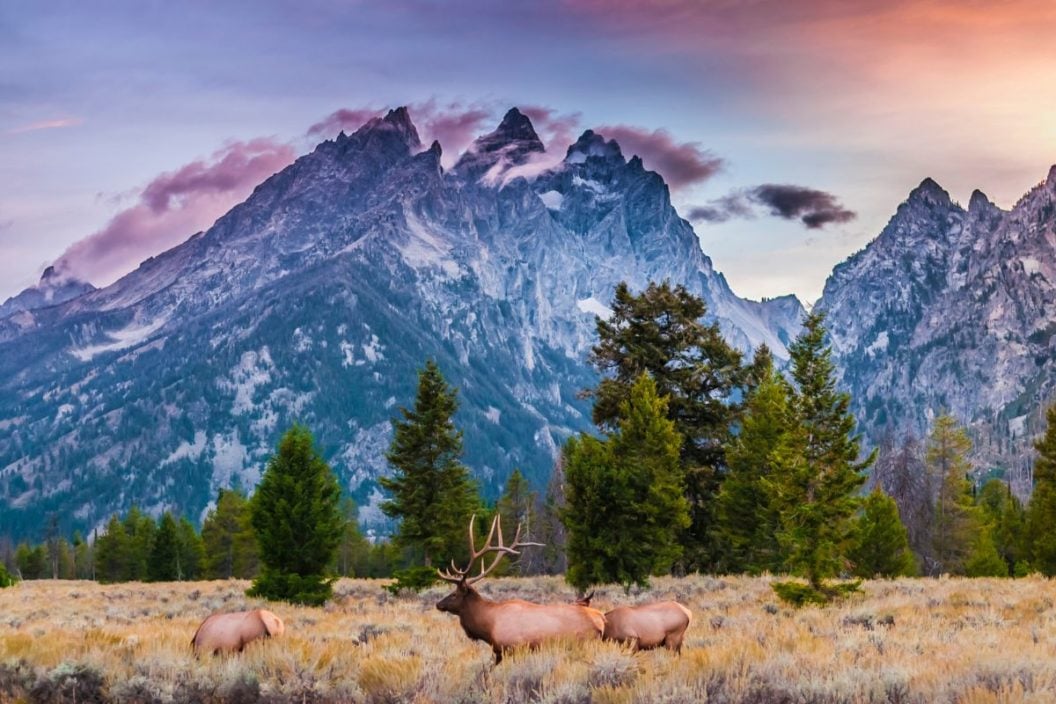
(460, 577)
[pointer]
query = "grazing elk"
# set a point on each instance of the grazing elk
(649, 625)
(511, 623)
(231, 632)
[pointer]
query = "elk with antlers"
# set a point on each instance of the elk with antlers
(511, 623)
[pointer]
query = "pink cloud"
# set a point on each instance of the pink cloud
(47, 125)
(343, 120)
(680, 163)
(173, 206)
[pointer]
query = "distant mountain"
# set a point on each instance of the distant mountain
(51, 290)
(953, 308)
(317, 299)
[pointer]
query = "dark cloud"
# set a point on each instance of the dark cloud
(812, 207)
(680, 163)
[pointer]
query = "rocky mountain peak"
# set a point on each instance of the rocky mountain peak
(931, 193)
(509, 144)
(1050, 180)
(592, 144)
(516, 127)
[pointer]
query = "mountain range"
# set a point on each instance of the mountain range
(953, 309)
(317, 299)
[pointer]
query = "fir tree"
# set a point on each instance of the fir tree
(879, 542)
(747, 522)
(818, 470)
(32, 562)
(516, 506)
(163, 565)
(228, 542)
(192, 551)
(956, 517)
(552, 532)
(1041, 512)
(111, 553)
(661, 332)
(983, 558)
(432, 493)
(140, 530)
(1007, 520)
(625, 496)
(295, 517)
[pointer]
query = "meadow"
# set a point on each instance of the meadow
(906, 640)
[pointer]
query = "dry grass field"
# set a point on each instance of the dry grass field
(946, 640)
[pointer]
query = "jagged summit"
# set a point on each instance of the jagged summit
(592, 144)
(319, 296)
(930, 192)
(54, 288)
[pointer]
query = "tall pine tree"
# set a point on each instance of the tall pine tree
(747, 522)
(819, 472)
(431, 490)
(517, 506)
(661, 332)
(625, 496)
(295, 516)
(1041, 512)
(163, 565)
(956, 520)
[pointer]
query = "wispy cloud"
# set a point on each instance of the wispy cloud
(56, 124)
(173, 206)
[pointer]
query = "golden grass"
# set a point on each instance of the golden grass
(926, 640)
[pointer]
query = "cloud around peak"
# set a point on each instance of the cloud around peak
(173, 206)
(682, 164)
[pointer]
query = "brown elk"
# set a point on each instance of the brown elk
(649, 625)
(511, 623)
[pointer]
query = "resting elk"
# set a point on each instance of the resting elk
(231, 632)
(511, 623)
(646, 626)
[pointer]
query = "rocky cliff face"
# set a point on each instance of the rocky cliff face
(953, 308)
(316, 300)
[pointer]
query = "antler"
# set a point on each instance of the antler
(459, 575)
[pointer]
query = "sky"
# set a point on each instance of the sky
(788, 131)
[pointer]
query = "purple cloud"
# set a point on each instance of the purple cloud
(680, 163)
(172, 207)
(344, 119)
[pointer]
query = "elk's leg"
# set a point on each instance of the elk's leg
(673, 641)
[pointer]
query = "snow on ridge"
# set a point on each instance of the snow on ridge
(595, 307)
(121, 339)
(552, 200)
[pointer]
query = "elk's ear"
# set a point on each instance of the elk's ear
(272, 623)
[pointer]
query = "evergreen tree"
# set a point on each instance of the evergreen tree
(432, 493)
(111, 553)
(228, 542)
(1041, 512)
(32, 562)
(191, 551)
(661, 332)
(83, 566)
(296, 520)
(626, 503)
(516, 506)
(140, 530)
(879, 542)
(353, 552)
(956, 517)
(747, 522)
(983, 559)
(1007, 520)
(163, 565)
(6, 580)
(818, 471)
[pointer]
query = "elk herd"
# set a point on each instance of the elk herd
(503, 625)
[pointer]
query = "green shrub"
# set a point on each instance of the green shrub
(6, 580)
(414, 579)
(800, 594)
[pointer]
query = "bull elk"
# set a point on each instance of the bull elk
(511, 623)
